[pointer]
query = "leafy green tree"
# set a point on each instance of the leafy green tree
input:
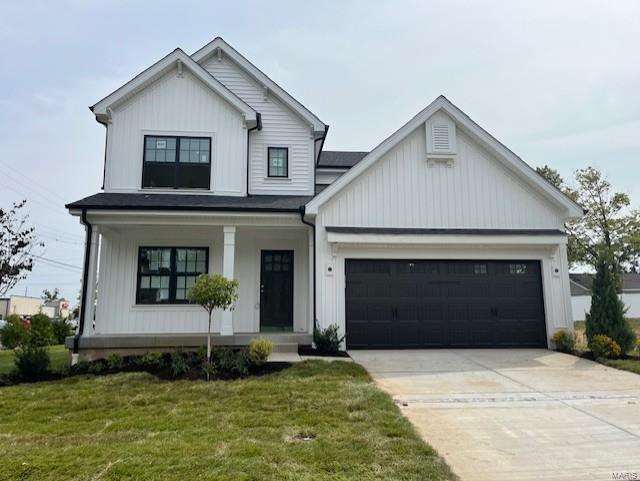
(14, 333)
(607, 310)
(41, 331)
(17, 241)
(608, 223)
(213, 292)
(49, 296)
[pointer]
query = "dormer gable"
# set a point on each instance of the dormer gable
(179, 60)
(218, 50)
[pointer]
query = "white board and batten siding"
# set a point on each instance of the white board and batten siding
(176, 105)
(281, 128)
(118, 313)
(475, 191)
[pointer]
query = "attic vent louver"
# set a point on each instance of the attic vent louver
(441, 140)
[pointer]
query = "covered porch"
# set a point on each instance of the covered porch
(141, 264)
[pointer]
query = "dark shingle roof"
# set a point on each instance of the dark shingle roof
(581, 284)
(337, 159)
(256, 203)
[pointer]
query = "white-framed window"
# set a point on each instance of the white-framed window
(278, 162)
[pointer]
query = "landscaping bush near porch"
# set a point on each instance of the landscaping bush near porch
(313, 421)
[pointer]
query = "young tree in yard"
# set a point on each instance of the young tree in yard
(607, 310)
(17, 240)
(609, 225)
(213, 292)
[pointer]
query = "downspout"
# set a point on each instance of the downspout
(85, 280)
(313, 226)
(257, 127)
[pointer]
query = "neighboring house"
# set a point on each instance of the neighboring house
(581, 294)
(440, 236)
(58, 308)
(20, 305)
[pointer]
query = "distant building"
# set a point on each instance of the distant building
(57, 308)
(581, 294)
(20, 305)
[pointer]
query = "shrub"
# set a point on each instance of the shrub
(602, 345)
(259, 351)
(230, 362)
(114, 362)
(152, 360)
(82, 367)
(565, 341)
(14, 333)
(96, 367)
(61, 330)
(209, 369)
(41, 331)
(31, 361)
(606, 315)
(327, 340)
(180, 363)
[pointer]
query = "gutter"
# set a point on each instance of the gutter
(313, 226)
(85, 280)
(257, 127)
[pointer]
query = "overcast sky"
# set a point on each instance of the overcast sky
(556, 81)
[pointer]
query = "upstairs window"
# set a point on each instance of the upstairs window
(278, 161)
(165, 274)
(176, 162)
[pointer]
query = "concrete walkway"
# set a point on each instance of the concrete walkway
(526, 414)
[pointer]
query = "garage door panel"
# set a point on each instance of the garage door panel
(418, 303)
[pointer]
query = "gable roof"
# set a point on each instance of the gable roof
(254, 72)
(339, 159)
(581, 283)
(176, 58)
(464, 122)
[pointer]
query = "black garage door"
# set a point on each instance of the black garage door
(419, 303)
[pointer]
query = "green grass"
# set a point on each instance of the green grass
(59, 358)
(632, 365)
(133, 426)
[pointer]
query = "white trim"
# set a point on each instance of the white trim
(218, 46)
(145, 78)
(445, 240)
(508, 158)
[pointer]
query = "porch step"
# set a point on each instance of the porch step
(285, 347)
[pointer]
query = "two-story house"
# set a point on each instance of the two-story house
(440, 236)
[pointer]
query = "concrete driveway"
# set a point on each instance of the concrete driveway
(525, 414)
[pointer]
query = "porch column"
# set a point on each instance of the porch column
(228, 258)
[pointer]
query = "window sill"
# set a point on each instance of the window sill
(278, 179)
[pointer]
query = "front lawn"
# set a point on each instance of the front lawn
(59, 358)
(312, 421)
(632, 365)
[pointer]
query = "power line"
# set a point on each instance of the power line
(61, 264)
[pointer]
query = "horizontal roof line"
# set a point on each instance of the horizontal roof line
(439, 231)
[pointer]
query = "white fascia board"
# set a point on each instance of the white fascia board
(203, 54)
(194, 218)
(447, 240)
(511, 160)
(158, 69)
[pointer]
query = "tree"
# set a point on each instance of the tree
(606, 315)
(608, 222)
(50, 296)
(213, 292)
(17, 241)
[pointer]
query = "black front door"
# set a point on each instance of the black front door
(276, 291)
